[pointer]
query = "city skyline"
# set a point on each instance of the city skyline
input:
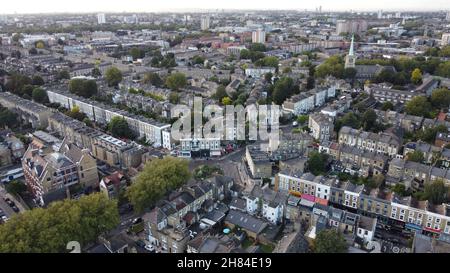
(85, 6)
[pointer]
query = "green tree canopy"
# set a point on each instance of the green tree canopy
(113, 76)
(416, 76)
(82, 87)
(330, 241)
(418, 106)
(333, 66)
(158, 177)
(317, 163)
(369, 119)
(176, 81)
(7, 118)
(39, 95)
(220, 93)
(63, 74)
(283, 89)
(387, 106)
(436, 192)
(118, 127)
(49, 230)
(153, 79)
(16, 187)
(37, 80)
(226, 101)
(416, 156)
(440, 98)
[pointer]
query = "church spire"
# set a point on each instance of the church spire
(351, 52)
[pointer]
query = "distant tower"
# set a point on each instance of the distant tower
(204, 24)
(350, 59)
(259, 36)
(380, 14)
(101, 19)
(425, 31)
(447, 17)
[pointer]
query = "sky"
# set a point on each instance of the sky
(55, 6)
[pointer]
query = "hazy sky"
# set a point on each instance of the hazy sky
(40, 6)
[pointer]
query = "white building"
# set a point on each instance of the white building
(259, 36)
(258, 72)
(101, 18)
(268, 203)
(190, 145)
(366, 228)
(205, 23)
(445, 39)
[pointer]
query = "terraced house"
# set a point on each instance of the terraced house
(382, 143)
(404, 213)
(149, 129)
(166, 225)
(29, 112)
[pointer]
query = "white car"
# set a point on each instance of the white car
(149, 247)
(4, 218)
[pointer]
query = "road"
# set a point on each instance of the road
(8, 211)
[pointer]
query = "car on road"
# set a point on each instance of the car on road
(140, 243)
(150, 248)
(15, 209)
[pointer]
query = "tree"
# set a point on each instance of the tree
(39, 95)
(49, 230)
(113, 76)
(197, 59)
(369, 119)
(158, 177)
(399, 189)
(16, 187)
(416, 76)
(153, 79)
(387, 106)
(443, 69)
(268, 77)
(76, 114)
(37, 80)
(118, 127)
(82, 87)
(174, 98)
(283, 89)
(440, 98)
(436, 192)
(176, 81)
(226, 101)
(302, 119)
(96, 72)
(349, 119)
(287, 70)
(317, 163)
(330, 241)
(349, 73)
(333, 66)
(418, 106)
(63, 74)
(416, 156)
(136, 53)
(40, 45)
(220, 93)
(258, 47)
(7, 118)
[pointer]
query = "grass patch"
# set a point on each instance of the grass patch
(247, 243)
(267, 248)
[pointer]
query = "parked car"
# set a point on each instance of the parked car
(140, 243)
(150, 248)
(15, 209)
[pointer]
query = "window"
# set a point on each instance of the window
(366, 232)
